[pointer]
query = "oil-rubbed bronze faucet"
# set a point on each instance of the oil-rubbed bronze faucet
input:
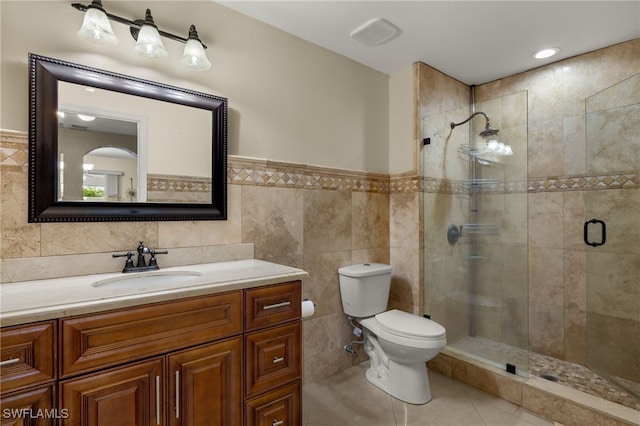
(141, 265)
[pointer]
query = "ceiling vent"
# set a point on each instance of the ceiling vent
(375, 32)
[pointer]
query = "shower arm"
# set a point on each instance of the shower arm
(486, 117)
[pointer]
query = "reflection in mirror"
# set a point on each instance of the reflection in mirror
(106, 146)
(94, 151)
(166, 171)
(109, 175)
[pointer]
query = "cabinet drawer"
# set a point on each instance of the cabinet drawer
(281, 407)
(265, 306)
(272, 358)
(30, 407)
(105, 339)
(27, 355)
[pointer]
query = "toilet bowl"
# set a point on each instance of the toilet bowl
(398, 343)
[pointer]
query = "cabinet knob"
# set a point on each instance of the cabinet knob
(277, 359)
(277, 422)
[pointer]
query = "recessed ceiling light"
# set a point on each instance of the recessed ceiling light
(84, 117)
(545, 53)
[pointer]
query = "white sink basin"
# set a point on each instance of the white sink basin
(152, 280)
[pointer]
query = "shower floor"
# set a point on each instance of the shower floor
(566, 373)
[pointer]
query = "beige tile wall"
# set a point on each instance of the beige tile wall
(314, 218)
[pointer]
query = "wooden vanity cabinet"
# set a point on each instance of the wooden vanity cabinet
(224, 359)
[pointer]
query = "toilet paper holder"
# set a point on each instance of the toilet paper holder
(308, 308)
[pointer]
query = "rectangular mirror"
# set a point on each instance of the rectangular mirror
(106, 147)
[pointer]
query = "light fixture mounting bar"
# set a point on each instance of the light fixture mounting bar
(133, 24)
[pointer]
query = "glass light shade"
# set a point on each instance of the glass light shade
(149, 43)
(96, 28)
(194, 56)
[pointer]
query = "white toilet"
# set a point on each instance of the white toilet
(398, 343)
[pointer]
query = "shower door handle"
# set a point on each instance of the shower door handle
(586, 233)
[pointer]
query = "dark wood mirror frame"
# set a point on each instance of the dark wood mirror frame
(44, 75)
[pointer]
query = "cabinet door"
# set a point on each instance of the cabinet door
(30, 407)
(205, 385)
(123, 396)
(281, 407)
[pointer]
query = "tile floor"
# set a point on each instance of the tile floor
(347, 399)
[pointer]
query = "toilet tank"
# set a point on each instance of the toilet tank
(364, 288)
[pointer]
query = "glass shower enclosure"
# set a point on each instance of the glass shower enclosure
(612, 232)
(475, 231)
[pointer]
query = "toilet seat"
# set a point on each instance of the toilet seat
(406, 329)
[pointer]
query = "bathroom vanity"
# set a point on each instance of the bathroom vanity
(222, 349)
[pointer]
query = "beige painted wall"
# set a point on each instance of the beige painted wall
(289, 100)
(402, 147)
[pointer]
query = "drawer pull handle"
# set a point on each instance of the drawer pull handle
(157, 400)
(10, 361)
(177, 394)
(277, 360)
(276, 305)
(277, 422)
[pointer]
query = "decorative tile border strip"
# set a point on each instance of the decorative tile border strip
(614, 180)
(250, 171)
(14, 151)
(177, 183)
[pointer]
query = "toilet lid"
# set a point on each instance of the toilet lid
(405, 324)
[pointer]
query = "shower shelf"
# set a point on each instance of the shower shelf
(478, 184)
(482, 156)
(478, 228)
(474, 152)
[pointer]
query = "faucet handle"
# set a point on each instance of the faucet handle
(152, 260)
(128, 264)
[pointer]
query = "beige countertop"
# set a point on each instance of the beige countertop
(29, 301)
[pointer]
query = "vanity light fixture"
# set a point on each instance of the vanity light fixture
(148, 41)
(97, 29)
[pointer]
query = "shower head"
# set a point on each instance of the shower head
(488, 130)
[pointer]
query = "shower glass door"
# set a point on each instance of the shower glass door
(612, 232)
(475, 228)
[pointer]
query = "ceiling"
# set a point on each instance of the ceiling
(472, 41)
